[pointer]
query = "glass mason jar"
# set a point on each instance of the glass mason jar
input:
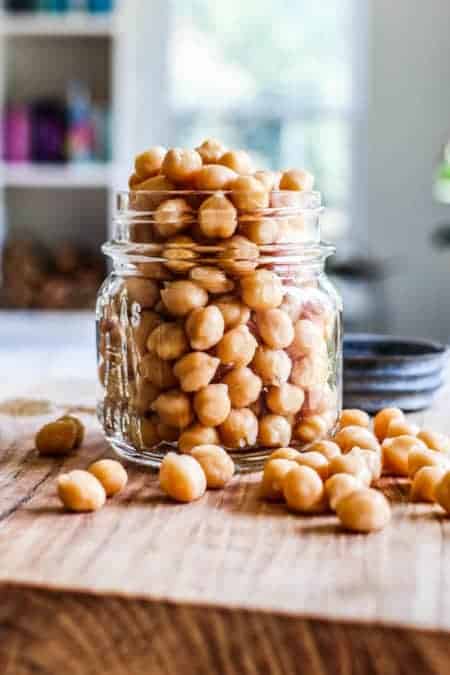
(217, 324)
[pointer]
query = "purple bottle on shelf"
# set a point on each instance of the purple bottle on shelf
(49, 129)
(16, 133)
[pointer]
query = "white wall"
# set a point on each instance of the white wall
(409, 118)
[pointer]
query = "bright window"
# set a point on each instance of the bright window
(274, 76)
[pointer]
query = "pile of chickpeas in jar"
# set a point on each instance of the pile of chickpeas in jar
(218, 324)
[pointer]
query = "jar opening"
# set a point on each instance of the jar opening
(210, 223)
(146, 201)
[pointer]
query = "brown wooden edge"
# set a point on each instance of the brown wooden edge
(49, 632)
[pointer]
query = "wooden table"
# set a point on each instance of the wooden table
(227, 585)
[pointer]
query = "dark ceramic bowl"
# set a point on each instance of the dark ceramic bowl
(382, 371)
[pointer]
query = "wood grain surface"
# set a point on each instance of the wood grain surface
(229, 584)
(80, 634)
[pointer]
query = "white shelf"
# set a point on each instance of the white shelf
(72, 24)
(95, 175)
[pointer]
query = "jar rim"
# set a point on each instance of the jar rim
(287, 253)
(175, 193)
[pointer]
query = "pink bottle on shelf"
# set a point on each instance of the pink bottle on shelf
(17, 134)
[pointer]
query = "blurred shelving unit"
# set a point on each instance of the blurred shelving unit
(43, 24)
(68, 176)
(40, 53)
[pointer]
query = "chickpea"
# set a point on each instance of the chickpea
(237, 160)
(171, 217)
(297, 180)
(154, 270)
(211, 150)
(401, 428)
(272, 365)
(275, 328)
(239, 256)
(275, 471)
(80, 491)
(303, 490)
(111, 474)
(383, 419)
(352, 436)
(249, 194)
(79, 426)
(294, 229)
(181, 165)
(419, 457)
(155, 184)
(310, 371)
(442, 492)
(261, 231)
(351, 417)
(181, 297)
(364, 510)
(168, 341)
(237, 347)
(240, 428)
(197, 434)
(372, 460)
(211, 279)
(145, 394)
(182, 478)
(217, 217)
(195, 370)
(57, 438)
(244, 387)
(110, 335)
(149, 163)
(425, 482)
(147, 432)
(274, 431)
(234, 313)
(262, 289)
(212, 404)
(214, 177)
(354, 465)
(316, 461)
(133, 181)
(284, 453)
(174, 409)
(180, 254)
(339, 486)
(395, 454)
(318, 400)
(205, 327)
(434, 440)
(216, 463)
(311, 429)
(270, 179)
(143, 291)
(287, 399)
(292, 304)
(148, 321)
(157, 372)
(328, 449)
(307, 339)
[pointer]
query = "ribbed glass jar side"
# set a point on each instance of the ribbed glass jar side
(209, 340)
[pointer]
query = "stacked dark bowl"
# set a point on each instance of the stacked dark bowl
(382, 371)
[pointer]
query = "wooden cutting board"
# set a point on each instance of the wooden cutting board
(228, 584)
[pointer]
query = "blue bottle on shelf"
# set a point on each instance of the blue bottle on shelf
(53, 5)
(95, 6)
